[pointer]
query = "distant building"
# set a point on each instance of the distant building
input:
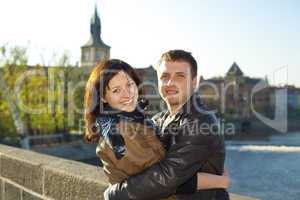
(232, 93)
(293, 96)
(149, 84)
(95, 49)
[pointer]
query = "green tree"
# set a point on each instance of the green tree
(18, 56)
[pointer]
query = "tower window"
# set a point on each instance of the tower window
(99, 55)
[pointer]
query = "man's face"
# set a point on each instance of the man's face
(175, 82)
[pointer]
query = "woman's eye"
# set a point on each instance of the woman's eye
(116, 91)
(130, 83)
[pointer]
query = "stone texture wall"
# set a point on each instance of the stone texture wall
(27, 175)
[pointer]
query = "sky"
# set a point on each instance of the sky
(262, 37)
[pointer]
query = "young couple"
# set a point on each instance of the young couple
(179, 154)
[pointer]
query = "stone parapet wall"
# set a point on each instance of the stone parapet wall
(27, 175)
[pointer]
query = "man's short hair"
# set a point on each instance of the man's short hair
(180, 55)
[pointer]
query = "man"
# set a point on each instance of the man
(189, 133)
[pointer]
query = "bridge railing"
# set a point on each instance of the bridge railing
(27, 175)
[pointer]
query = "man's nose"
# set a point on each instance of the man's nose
(170, 82)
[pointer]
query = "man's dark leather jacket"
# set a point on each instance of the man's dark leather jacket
(194, 144)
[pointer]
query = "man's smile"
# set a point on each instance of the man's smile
(171, 91)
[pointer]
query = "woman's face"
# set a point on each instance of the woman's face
(122, 92)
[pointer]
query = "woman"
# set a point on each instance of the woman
(127, 141)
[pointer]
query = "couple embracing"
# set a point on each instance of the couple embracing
(178, 154)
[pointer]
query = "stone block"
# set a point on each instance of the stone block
(28, 196)
(1, 190)
(11, 192)
(24, 167)
(74, 180)
(23, 173)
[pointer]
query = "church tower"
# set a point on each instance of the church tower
(95, 49)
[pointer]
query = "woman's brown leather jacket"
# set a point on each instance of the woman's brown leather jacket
(128, 145)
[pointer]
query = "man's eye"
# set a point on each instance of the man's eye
(163, 77)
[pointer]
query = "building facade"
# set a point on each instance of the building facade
(234, 94)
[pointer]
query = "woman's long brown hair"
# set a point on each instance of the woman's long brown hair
(96, 88)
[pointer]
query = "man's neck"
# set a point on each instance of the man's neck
(172, 112)
(175, 108)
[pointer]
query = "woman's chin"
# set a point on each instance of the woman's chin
(128, 109)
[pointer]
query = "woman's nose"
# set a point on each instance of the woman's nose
(127, 93)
